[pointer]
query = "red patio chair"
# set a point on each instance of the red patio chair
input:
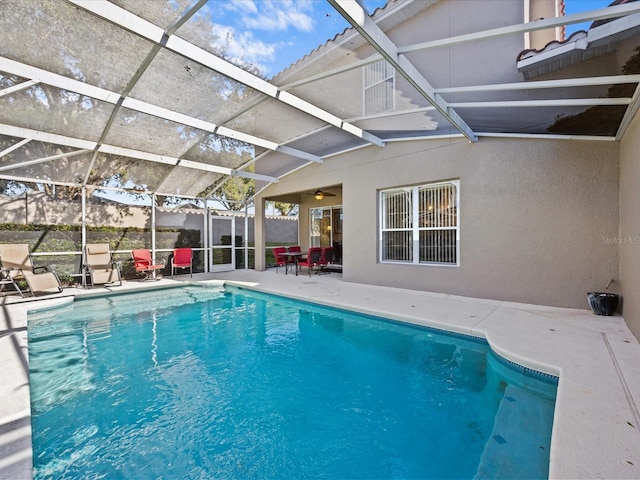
(281, 257)
(326, 258)
(182, 258)
(144, 264)
(312, 260)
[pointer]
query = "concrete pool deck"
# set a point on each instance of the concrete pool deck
(596, 432)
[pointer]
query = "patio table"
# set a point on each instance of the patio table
(295, 256)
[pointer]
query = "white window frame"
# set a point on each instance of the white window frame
(412, 224)
(318, 234)
(367, 88)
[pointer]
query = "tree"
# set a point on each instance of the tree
(599, 119)
(61, 169)
(286, 209)
(57, 108)
(235, 192)
(107, 170)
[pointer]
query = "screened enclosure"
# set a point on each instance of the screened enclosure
(160, 100)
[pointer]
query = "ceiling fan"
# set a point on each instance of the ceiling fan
(320, 194)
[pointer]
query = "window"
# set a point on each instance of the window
(420, 224)
(378, 87)
(325, 226)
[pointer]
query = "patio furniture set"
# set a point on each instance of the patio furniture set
(99, 268)
(316, 258)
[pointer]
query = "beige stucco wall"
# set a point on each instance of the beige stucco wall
(630, 226)
(535, 215)
(541, 9)
(41, 209)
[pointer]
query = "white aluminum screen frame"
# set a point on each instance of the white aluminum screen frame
(376, 78)
(407, 227)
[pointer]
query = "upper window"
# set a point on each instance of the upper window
(378, 87)
(420, 224)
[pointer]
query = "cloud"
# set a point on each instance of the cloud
(244, 29)
(242, 47)
(277, 15)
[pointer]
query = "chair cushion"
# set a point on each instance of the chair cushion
(97, 249)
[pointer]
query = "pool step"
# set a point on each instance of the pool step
(509, 453)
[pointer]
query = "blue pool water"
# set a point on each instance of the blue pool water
(197, 383)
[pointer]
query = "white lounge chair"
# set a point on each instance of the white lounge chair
(17, 265)
(100, 266)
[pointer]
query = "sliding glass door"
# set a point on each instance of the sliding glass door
(325, 229)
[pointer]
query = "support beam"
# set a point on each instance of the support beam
(205, 229)
(19, 179)
(96, 187)
(83, 234)
(290, 151)
(357, 17)
(566, 102)
(58, 81)
(544, 84)
(71, 85)
(547, 136)
(42, 160)
(17, 88)
(131, 153)
(227, 171)
(615, 11)
(21, 132)
(153, 230)
(15, 146)
(394, 113)
(600, 14)
(629, 114)
(86, 146)
(185, 16)
(139, 26)
(260, 235)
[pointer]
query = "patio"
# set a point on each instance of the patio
(113, 104)
(143, 100)
(597, 358)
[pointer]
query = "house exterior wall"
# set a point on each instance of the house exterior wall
(534, 215)
(457, 65)
(539, 218)
(629, 238)
(540, 9)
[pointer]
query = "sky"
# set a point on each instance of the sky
(273, 34)
(577, 6)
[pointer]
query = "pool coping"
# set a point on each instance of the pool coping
(596, 431)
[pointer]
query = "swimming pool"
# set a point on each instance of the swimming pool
(202, 383)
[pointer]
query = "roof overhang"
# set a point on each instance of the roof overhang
(580, 47)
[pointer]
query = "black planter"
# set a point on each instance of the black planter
(603, 303)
